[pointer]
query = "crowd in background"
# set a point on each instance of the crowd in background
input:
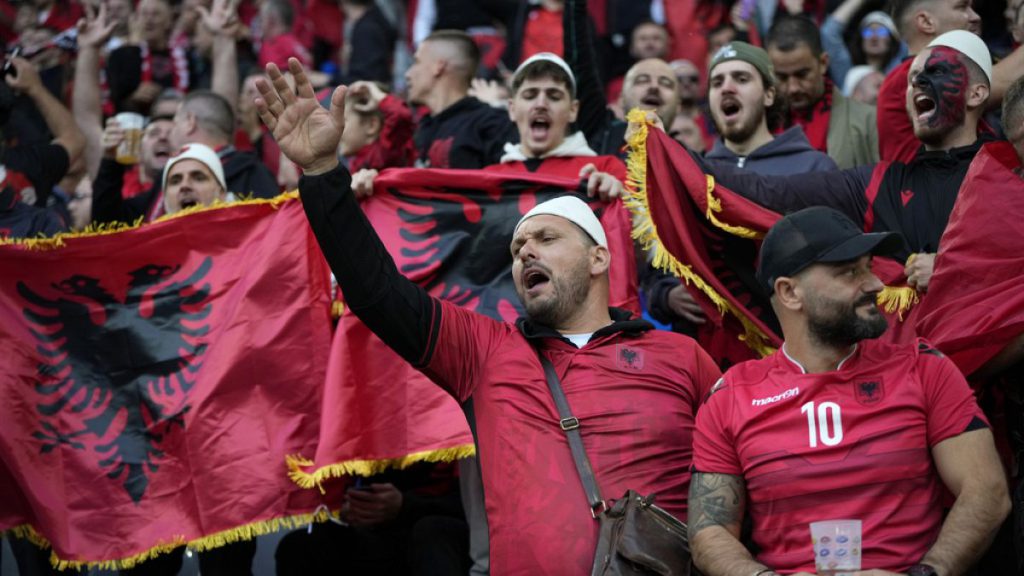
(419, 97)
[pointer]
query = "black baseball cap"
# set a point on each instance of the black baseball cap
(817, 235)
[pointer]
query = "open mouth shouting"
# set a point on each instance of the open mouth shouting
(187, 200)
(540, 128)
(652, 100)
(534, 279)
(161, 152)
(730, 109)
(924, 107)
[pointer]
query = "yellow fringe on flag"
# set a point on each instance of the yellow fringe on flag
(316, 478)
(715, 205)
(897, 299)
(646, 233)
(337, 309)
(244, 532)
(103, 229)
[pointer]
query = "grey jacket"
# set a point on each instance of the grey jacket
(789, 153)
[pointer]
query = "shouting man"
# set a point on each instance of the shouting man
(560, 269)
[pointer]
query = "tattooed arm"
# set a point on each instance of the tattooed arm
(716, 505)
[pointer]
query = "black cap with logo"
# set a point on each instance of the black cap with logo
(814, 235)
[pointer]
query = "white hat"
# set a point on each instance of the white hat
(547, 57)
(202, 153)
(572, 209)
(854, 76)
(879, 17)
(969, 45)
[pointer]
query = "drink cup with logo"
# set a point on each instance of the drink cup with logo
(130, 149)
(837, 547)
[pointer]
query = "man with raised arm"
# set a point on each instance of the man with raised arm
(634, 390)
(836, 424)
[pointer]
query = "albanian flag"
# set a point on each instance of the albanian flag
(710, 237)
(449, 231)
(975, 301)
(155, 377)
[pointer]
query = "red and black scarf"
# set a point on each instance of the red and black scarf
(815, 120)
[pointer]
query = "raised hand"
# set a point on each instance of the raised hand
(306, 133)
(603, 185)
(25, 78)
(112, 137)
(366, 96)
(221, 18)
(95, 29)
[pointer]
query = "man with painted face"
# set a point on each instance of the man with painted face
(919, 23)
(617, 373)
(838, 425)
(834, 124)
(948, 91)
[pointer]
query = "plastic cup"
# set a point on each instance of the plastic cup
(130, 149)
(837, 547)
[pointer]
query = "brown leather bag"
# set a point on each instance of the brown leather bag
(639, 538)
(636, 538)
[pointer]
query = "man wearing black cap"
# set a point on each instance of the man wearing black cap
(839, 425)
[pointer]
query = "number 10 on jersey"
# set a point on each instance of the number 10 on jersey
(825, 424)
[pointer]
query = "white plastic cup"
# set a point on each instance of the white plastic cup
(130, 149)
(837, 547)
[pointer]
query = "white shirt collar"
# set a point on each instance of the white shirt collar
(574, 145)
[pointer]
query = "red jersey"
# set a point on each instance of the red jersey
(279, 48)
(852, 443)
(543, 33)
(635, 391)
(394, 147)
(896, 140)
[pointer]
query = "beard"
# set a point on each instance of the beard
(837, 324)
(744, 130)
(568, 293)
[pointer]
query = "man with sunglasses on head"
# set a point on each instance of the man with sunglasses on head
(834, 124)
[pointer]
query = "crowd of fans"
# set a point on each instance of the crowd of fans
(796, 101)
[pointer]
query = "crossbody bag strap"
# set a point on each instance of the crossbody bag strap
(571, 426)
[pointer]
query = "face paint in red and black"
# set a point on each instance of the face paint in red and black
(938, 94)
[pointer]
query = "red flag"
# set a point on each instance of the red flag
(710, 236)
(449, 231)
(975, 304)
(154, 379)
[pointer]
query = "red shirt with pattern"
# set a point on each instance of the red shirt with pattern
(635, 391)
(853, 443)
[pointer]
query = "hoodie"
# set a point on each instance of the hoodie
(789, 153)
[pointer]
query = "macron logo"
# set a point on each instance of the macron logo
(791, 393)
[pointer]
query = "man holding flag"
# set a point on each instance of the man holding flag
(617, 372)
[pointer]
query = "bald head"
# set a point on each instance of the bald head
(651, 85)
(919, 21)
(459, 52)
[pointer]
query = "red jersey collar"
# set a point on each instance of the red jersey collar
(800, 366)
